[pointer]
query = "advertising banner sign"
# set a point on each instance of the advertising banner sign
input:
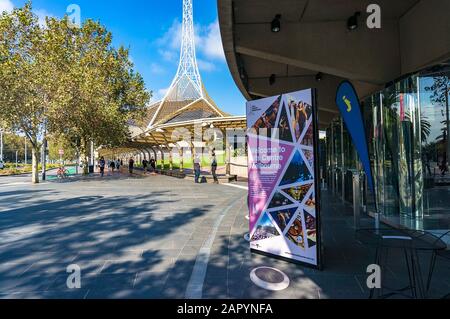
(282, 171)
(348, 102)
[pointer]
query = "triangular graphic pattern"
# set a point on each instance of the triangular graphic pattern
(265, 229)
(282, 199)
(297, 171)
(298, 192)
(284, 127)
(279, 200)
(283, 217)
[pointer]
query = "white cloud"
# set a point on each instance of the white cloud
(159, 94)
(206, 65)
(208, 44)
(157, 69)
(171, 56)
(211, 43)
(6, 5)
(172, 38)
(42, 14)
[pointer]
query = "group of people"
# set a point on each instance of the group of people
(116, 164)
(269, 117)
(197, 167)
(113, 165)
(151, 163)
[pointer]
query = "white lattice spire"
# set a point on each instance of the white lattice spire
(187, 85)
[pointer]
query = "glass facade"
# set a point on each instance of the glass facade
(407, 127)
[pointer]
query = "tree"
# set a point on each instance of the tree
(106, 93)
(60, 142)
(440, 90)
(65, 81)
(24, 96)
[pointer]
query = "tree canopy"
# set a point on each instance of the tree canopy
(63, 80)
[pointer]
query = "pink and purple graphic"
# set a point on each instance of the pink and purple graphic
(283, 215)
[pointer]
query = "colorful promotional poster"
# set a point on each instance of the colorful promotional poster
(282, 190)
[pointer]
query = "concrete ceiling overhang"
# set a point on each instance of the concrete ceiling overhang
(314, 39)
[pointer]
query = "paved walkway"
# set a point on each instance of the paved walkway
(160, 237)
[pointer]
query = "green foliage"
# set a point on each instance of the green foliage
(65, 81)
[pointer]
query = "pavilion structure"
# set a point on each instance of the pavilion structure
(186, 110)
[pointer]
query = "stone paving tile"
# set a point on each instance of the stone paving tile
(139, 238)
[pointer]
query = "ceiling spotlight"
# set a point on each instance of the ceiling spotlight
(276, 24)
(319, 76)
(352, 22)
(272, 79)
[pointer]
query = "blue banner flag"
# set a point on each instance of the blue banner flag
(348, 102)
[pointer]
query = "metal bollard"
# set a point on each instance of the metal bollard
(356, 200)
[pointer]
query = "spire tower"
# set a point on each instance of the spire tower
(187, 89)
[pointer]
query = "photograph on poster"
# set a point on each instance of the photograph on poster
(284, 129)
(279, 200)
(283, 217)
(311, 230)
(298, 192)
(311, 202)
(297, 171)
(295, 233)
(300, 113)
(308, 139)
(268, 118)
(309, 157)
(265, 229)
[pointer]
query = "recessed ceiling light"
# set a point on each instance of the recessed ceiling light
(352, 22)
(276, 24)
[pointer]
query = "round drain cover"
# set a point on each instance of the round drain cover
(247, 237)
(269, 278)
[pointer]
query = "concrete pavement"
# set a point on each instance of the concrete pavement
(161, 237)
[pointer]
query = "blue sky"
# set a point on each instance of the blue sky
(150, 28)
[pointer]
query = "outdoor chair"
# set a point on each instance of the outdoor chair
(445, 254)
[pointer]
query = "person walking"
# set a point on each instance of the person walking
(214, 166)
(153, 164)
(197, 168)
(112, 166)
(145, 165)
(131, 165)
(118, 165)
(102, 165)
